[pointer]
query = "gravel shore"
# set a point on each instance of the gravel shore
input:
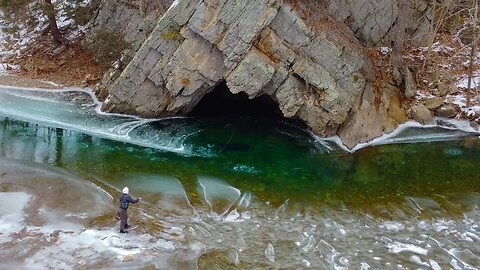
(13, 80)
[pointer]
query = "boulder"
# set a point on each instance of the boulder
(442, 88)
(447, 110)
(445, 85)
(389, 125)
(432, 103)
(410, 85)
(475, 125)
(421, 114)
(375, 112)
(395, 110)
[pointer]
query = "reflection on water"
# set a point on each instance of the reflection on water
(260, 195)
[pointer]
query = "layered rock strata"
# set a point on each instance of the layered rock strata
(315, 69)
(374, 21)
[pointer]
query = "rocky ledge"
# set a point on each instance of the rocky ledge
(313, 66)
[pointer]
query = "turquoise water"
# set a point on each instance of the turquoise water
(275, 161)
(242, 193)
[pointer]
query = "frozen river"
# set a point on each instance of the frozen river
(228, 193)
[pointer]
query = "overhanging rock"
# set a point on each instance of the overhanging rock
(314, 69)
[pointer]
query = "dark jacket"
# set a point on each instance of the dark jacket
(125, 199)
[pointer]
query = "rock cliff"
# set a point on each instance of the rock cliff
(312, 65)
(135, 19)
(374, 21)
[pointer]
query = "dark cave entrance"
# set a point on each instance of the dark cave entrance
(221, 102)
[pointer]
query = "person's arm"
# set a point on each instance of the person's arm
(132, 200)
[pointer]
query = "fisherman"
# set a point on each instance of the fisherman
(125, 199)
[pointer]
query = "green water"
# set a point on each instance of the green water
(274, 161)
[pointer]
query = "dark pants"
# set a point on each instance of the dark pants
(123, 219)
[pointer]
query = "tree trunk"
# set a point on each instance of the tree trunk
(399, 43)
(472, 56)
(56, 35)
(436, 25)
(470, 76)
(400, 33)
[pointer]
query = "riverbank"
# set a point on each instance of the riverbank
(19, 81)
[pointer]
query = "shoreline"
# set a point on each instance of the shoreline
(461, 125)
(7, 79)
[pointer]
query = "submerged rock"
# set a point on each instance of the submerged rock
(126, 258)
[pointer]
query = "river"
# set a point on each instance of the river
(228, 193)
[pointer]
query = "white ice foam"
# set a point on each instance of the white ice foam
(119, 132)
(398, 247)
(395, 137)
(12, 205)
(393, 226)
(232, 216)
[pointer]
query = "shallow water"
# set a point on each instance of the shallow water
(243, 193)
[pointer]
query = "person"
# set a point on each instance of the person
(125, 200)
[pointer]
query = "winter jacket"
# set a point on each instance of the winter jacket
(125, 199)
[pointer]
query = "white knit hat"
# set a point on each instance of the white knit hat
(125, 190)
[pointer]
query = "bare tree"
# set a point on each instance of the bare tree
(439, 10)
(474, 23)
(400, 36)
(23, 14)
(50, 12)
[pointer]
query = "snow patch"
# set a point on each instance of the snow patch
(94, 245)
(461, 102)
(385, 50)
(12, 205)
(6, 68)
(438, 47)
(12, 44)
(462, 81)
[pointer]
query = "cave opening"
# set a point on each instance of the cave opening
(221, 102)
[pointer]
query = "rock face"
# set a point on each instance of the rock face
(373, 21)
(136, 19)
(312, 66)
